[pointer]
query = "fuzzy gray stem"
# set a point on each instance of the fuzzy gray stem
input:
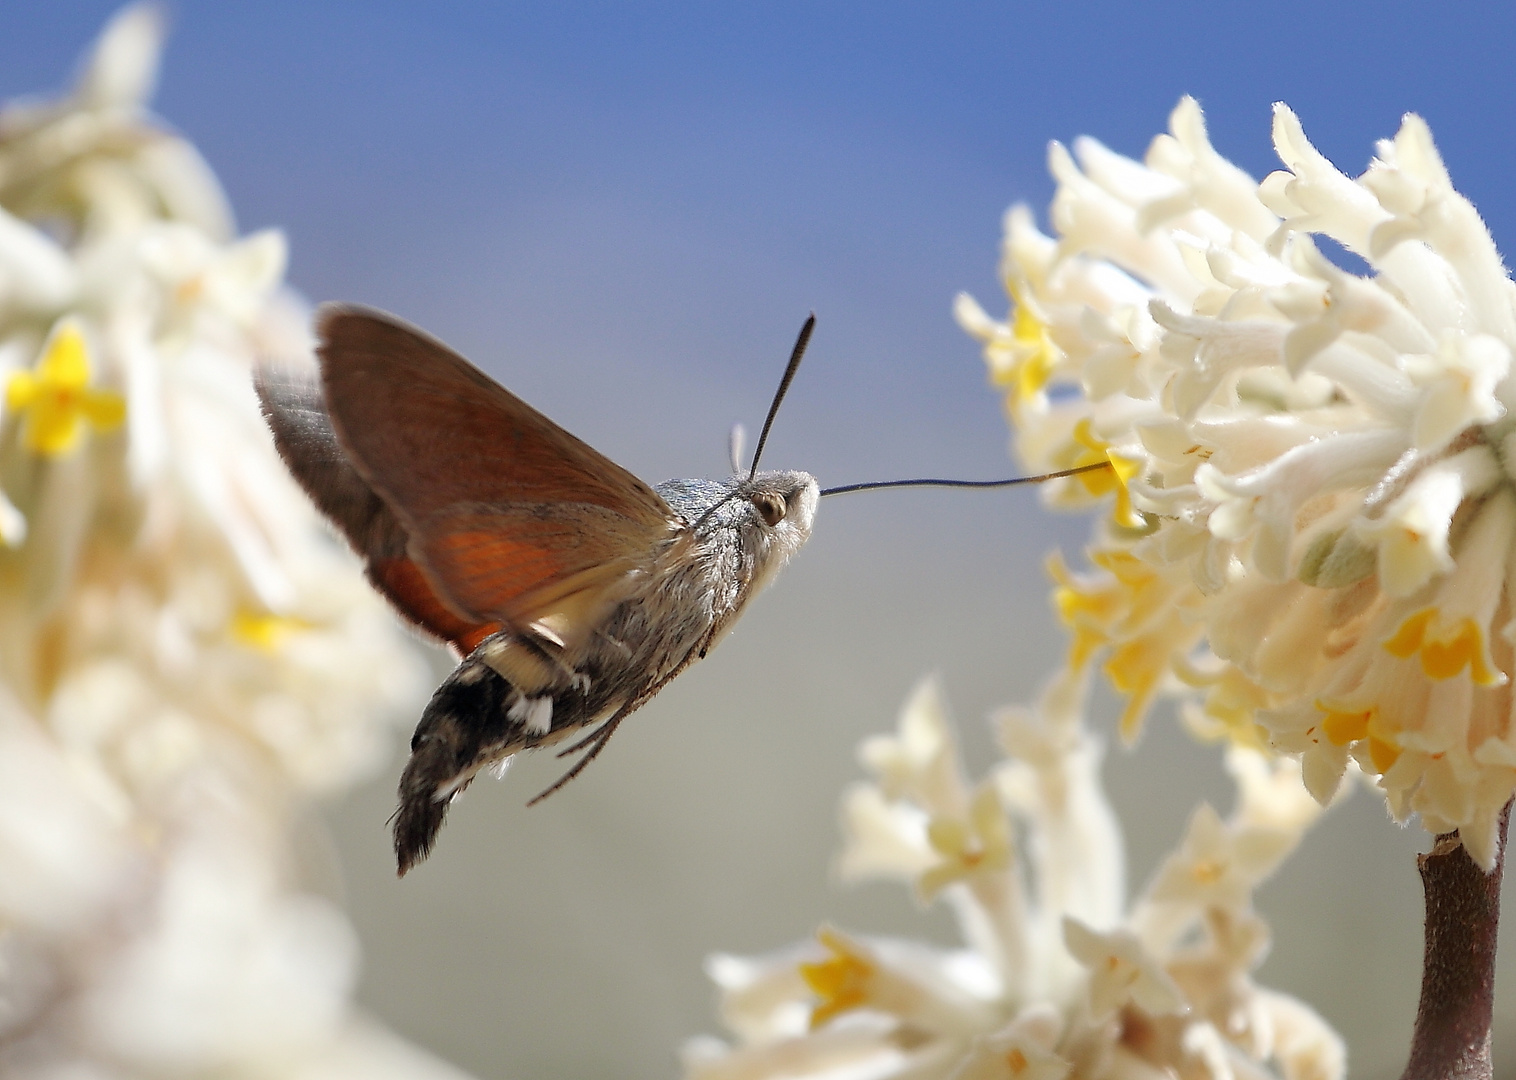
(1452, 1036)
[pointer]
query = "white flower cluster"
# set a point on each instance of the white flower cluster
(186, 656)
(1058, 981)
(1315, 517)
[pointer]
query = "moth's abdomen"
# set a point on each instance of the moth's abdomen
(476, 718)
(464, 719)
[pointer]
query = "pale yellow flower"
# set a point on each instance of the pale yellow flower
(1061, 979)
(1023, 1050)
(1318, 457)
(1121, 971)
(1219, 865)
(186, 658)
(979, 843)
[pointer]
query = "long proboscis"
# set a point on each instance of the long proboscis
(796, 355)
(871, 485)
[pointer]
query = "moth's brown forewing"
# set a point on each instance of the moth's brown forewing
(507, 516)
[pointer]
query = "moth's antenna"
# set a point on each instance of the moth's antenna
(735, 444)
(796, 355)
(784, 385)
(845, 488)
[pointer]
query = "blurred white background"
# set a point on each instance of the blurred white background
(625, 214)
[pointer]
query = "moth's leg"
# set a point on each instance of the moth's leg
(595, 741)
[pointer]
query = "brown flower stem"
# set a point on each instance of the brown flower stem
(1452, 1036)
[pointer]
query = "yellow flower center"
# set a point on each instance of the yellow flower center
(1383, 754)
(967, 847)
(1135, 668)
(1017, 1061)
(841, 981)
(1028, 363)
(190, 289)
(1444, 656)
(1085, 610)
(1346, 727)
(1102, 610)
(1208, 871)
(1117, 478)
(264, 631)
(55, 399)
(1342, 728)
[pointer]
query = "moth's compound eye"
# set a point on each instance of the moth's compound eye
(770, 507)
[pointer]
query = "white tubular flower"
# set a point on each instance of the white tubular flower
(1313, 528)
(946, 836)
(1216, 869)
(1121, 972)
(1092, 989)
(187, 658)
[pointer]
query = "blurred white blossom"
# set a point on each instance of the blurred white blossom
(1314, 519)
(186, 656)
(1059, 978)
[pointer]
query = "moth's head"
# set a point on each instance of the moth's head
(781, 505)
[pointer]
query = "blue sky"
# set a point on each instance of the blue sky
(625, 212)
(605, 182)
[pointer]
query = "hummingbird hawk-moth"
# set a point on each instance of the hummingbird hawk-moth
(573, 591)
